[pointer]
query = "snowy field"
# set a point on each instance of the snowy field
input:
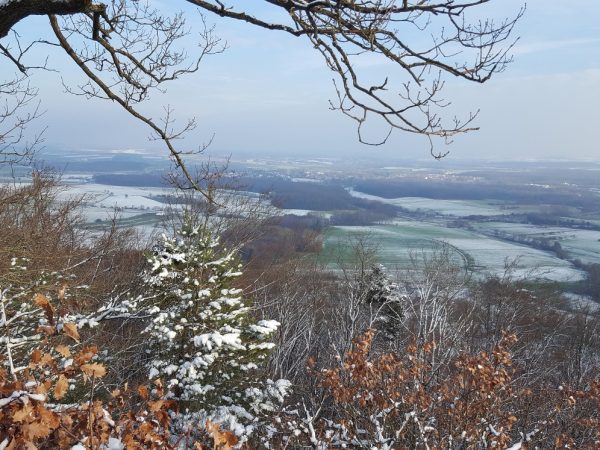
(101, 200)
(122, 197)
(304, 212)
(398, 243)
(457, 208)
(580, 244)
(581, 302)
(401, 242)
(98, 213)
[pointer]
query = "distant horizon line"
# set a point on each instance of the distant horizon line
(249, 154)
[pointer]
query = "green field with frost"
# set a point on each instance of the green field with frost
(398, 244)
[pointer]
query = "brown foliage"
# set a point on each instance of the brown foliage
(30, 417)
(42, 226)
(390, 401)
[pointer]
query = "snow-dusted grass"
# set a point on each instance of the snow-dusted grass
(101, 201)
(580, 244)
(94, 213)
(303, 212)
(399, 243)
(577, 301)
(458, 208)
(125, 197)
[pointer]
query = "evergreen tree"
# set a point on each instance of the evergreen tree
(381, 292)
(201, 340)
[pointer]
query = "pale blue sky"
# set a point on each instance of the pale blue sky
(268, 93)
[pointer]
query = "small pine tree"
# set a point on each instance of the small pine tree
(202, 341)
(385, 294)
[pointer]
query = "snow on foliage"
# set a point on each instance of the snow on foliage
(201, 340)
(384, 294)
(28, 311)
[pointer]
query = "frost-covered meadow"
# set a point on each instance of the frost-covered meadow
(402, 242)
(484, 246)
(398, 243)
(457, 208)
(580, 244)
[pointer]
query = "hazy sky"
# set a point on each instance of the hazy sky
(269, 93)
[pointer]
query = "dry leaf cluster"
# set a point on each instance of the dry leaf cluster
(391, 401)
(34, 414)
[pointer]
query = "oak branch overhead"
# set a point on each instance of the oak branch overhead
(128, 48)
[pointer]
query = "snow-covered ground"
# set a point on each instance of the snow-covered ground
(582, 302)
(457, 208)
(102, 200)
(304, 212)
(125, 197)
(580, 244)
(399, 243)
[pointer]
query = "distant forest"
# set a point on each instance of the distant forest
(444, 190)
(332, 195)
(287, 194)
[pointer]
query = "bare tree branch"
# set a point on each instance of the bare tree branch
(127, 49)
(344, 30)
(18, 108)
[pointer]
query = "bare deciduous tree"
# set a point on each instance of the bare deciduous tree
(126, 49)
(342, 31)
(17, 109)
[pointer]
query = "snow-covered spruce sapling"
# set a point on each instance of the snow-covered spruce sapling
(202, 341)
(384, 294)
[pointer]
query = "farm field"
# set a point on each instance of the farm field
(123, 197)
(579, 244)
(397, 244)
(132, 206)
(143, 208)
(304, 212)
(483, 248)
(456, 208)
